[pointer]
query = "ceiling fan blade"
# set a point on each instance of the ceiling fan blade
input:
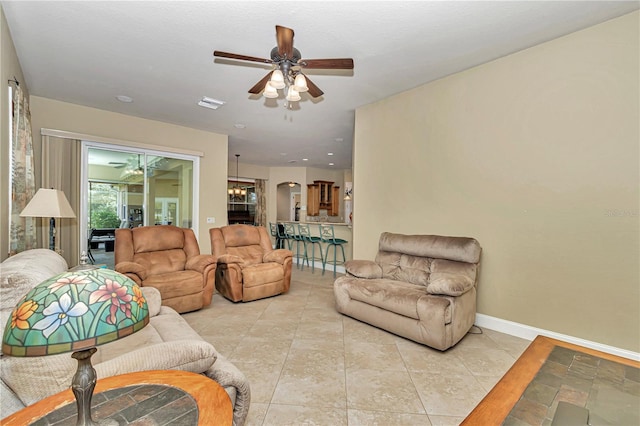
(241, 57)
(338, 63)
(260, 85)
(284, 36)
(314, 90)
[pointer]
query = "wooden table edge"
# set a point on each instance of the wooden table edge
(193, 384)
(498, 403)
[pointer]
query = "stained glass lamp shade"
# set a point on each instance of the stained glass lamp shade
(76, 311)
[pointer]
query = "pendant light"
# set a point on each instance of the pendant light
(237, 190)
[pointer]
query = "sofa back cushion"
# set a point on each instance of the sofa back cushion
(404, 267)
(461, 249)
(421, 259)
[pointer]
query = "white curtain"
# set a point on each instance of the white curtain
(22, 230)
(61, 166)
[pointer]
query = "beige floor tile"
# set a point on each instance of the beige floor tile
(316, 354)
(487, 362)
(257, 413)
(373, 356)
(273, 329)
(418, 357)
(358, 331)
(312, 329)
(488, 382)
(513, 345)
(445, 420)
(311, 387)
(382, 418)
(263, 379)
(447, 395)
(381, 390)
(282, 415)
(261, 351)
(321, 314)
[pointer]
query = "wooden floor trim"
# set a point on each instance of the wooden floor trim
(496, 406)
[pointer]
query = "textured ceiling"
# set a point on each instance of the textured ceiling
(160, 54)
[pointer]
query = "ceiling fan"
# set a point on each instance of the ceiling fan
(288, 64)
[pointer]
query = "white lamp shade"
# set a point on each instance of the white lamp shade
(270, 91)
(292, 95)
(277, 79)
(48, 203)
(300, 83)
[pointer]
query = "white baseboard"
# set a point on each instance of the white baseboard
(529, 333)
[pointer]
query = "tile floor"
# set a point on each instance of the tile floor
(308, 364)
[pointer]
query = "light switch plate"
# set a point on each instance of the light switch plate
(211, 220)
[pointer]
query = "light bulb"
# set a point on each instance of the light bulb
(292, 95)
(270, 91)
(277, 79)
(300, 83)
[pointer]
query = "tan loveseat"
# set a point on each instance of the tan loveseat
(168, 258)
(167, 342)
(248, 266)
(422, 287)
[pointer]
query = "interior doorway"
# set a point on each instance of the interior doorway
(294, 207)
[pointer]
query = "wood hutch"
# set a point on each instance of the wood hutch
(322, 195)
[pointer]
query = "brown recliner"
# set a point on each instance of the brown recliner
(168, 258)
(248, 266)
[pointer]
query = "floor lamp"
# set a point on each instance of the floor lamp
(50, 203)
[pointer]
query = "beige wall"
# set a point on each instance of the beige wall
(537, 156)
(48, 113)
(9, 68)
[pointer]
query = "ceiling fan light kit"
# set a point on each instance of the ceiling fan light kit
(287, 73)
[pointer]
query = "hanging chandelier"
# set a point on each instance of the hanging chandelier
(236, 190)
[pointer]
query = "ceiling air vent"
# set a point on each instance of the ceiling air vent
(210, 103)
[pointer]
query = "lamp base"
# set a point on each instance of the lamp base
(84, 381)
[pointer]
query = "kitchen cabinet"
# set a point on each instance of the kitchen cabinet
(322, 195)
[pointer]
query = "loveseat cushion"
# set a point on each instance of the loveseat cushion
(363, 269)
(451, 278)
(396, 296)
(404, 267)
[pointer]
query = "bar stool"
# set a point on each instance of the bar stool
(293, 237)
(273, 227)
(327, 235)
(305, 232)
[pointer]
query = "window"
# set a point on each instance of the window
(241, 204)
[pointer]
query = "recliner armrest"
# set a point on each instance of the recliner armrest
(132, 268)
(363, 269)
(278, 256)
(230, 258)
(200, 262)
(451, 278)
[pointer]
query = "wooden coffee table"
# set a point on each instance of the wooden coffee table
(204, 399)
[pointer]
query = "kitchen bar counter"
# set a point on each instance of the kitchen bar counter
(341, 230)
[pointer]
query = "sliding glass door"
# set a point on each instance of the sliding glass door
(127, 188)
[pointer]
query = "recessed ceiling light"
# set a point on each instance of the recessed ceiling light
(339, 139)
(331, 164)
(124, 98)
(305, 159)
(210, 103)
(329, 153)
(239, 126)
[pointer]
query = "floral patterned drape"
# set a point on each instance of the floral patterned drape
(22, 230)
(261, 203)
